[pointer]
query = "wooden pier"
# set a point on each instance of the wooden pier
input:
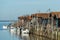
(41, 24)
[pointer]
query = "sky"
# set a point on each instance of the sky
(12, 9)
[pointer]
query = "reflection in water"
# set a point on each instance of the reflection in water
(25, 37)
(28, 37)
(34, 37)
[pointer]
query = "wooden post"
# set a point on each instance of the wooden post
(57, 27)
(52, 26)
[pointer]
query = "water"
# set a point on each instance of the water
(8, 35)
(5, 34)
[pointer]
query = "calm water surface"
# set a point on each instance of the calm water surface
(8, 35)
(5, 34)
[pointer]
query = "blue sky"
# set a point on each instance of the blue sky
(11, 9)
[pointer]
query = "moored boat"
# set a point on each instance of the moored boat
(4, 26)
(24, 31)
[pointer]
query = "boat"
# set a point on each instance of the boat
(4, 26)
(13, 30)
(11, 27)
(25, 35)
(18, 31)
(24, 31)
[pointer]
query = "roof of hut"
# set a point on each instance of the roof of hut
(29, 17)
(25, 17)
(43, 15)
(56, 13)
(21, 17)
